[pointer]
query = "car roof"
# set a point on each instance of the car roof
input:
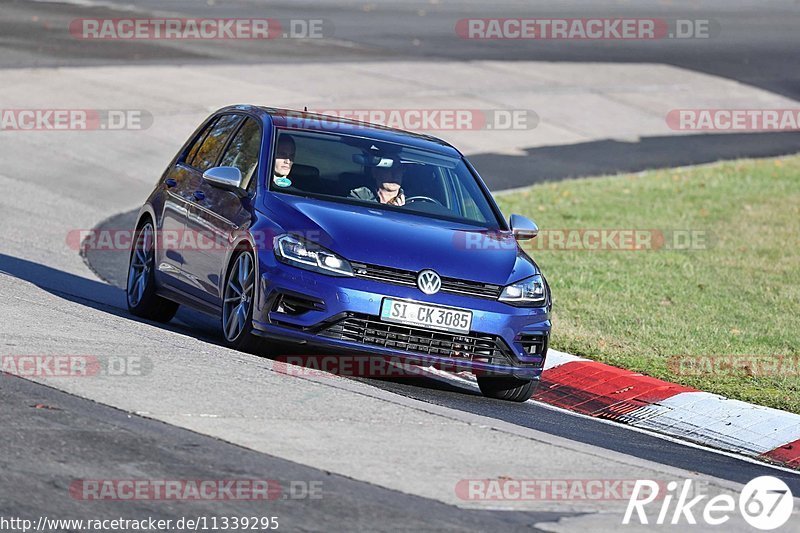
(304, 120)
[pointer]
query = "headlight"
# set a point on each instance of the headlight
(310, 256)
(530, 292)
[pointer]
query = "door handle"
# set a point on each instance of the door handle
(199, 195)
(170, 182)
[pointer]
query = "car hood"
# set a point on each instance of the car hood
(405, 241)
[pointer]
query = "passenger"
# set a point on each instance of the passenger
(388, 186)
(284, 159)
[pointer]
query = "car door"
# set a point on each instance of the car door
(177, 185)
(195, 236)
(218, 215)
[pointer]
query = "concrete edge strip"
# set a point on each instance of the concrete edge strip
(603, 391)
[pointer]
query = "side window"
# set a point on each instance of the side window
(243, 151)
(198, 142)
(468, 207)
(214, 142)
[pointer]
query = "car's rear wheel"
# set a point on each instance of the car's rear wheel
(238, 302)
(507, 388)
(141, 289)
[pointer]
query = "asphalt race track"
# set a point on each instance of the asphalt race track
(387, 454)
(753, 46)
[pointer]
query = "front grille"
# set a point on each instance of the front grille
(409, 278)
(365, 330)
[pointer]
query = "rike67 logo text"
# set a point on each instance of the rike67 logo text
(765, 503)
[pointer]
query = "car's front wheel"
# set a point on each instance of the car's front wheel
(237, 305)
(141, 289)
(507, 388)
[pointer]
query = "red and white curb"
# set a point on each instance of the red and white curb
(603, 391)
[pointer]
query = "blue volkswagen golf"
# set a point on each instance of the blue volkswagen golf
(329, 234)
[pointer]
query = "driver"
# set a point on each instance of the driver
(388, 186)
(284, 159)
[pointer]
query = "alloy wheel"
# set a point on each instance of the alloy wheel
(141, 265)
(238, 296)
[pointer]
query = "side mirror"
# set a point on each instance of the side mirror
(228, 178)
(523, 228)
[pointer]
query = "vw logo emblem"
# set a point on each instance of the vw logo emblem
(429, 282)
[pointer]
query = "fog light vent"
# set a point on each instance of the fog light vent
(292, 305)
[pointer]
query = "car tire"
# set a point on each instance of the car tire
(507, 388)
(237, 304)
(140, 290)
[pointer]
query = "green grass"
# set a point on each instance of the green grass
(739, 295)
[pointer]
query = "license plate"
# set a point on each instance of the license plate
(426, 316)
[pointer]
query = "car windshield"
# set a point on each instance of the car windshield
(350, 169)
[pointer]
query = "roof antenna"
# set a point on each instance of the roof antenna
(305, 108)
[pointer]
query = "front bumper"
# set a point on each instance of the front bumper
(341, 315)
